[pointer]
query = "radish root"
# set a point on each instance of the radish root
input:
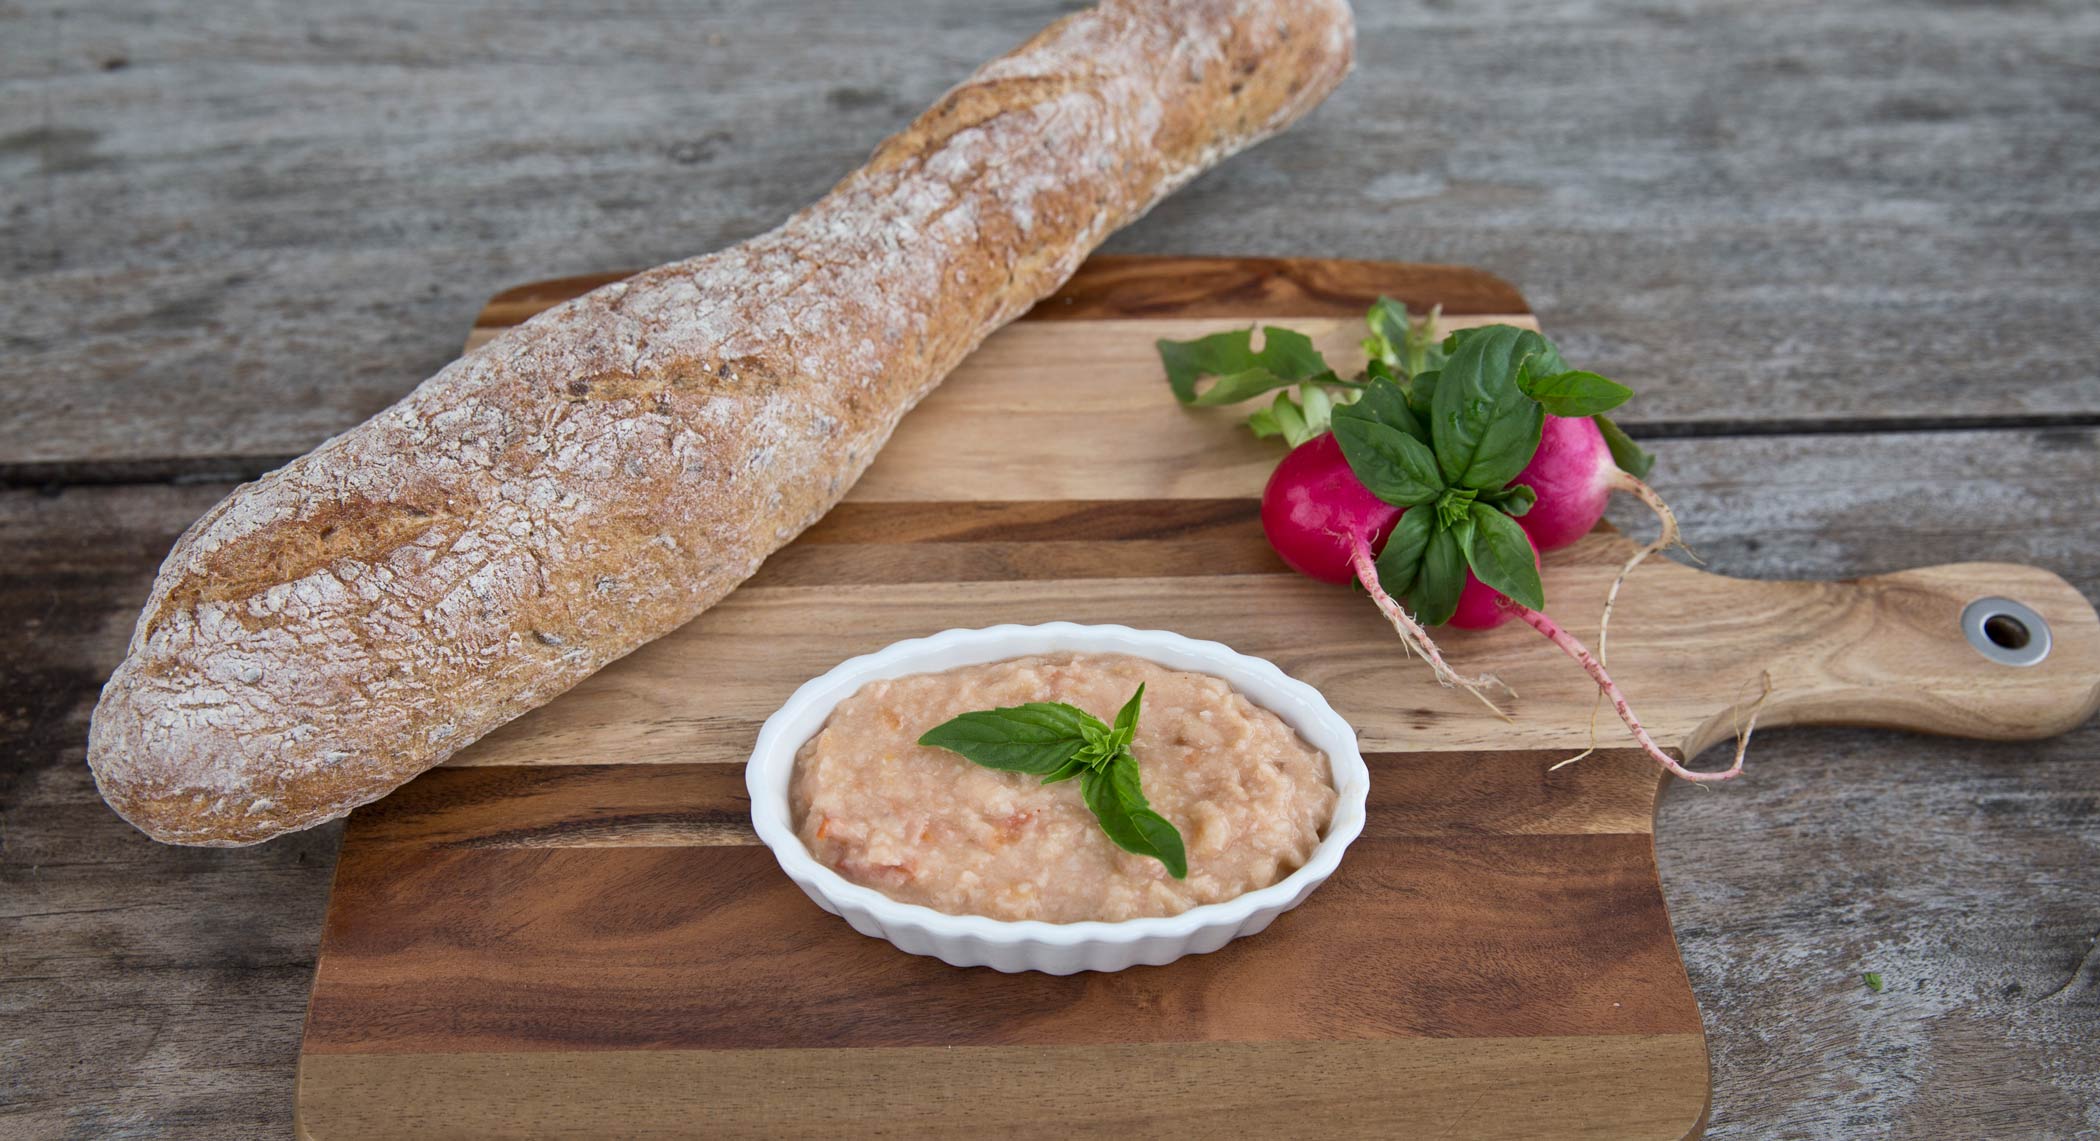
(1669, 537)
(1570, 646)
(1743, 728)
(1411, 633)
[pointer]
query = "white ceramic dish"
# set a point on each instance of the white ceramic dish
(1030, 945)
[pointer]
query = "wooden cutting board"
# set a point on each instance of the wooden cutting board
(571, 931)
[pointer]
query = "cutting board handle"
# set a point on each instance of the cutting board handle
(1934, 650)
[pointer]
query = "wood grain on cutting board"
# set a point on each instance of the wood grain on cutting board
(574, 927)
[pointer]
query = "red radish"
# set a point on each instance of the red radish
(1327, 525)
(1314, 506)
(1480, 606)
(1574, 477)
(1454, 456)
(1573, 474)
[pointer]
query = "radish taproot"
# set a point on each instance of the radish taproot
(1432, 461)
(1574, 473)
(1309, 540)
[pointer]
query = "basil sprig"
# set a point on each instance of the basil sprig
(1445, 442)
(1479, 431)
(1057, 742)
(1436, 424)
(1286, 360)
(1483, 425)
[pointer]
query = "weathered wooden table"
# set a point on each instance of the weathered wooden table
(1849, 254)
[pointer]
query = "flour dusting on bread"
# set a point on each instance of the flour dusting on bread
(601, 474)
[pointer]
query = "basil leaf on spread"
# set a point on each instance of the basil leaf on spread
(1058, 742)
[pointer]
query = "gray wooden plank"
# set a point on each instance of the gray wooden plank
(149, 991)
(157, 992)
(232, 229)
(1963, 873)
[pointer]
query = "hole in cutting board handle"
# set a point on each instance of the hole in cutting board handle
(2005, 631)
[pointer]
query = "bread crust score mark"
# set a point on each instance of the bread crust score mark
(599, 475)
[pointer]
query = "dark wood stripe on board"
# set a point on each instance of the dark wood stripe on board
(1110, 287)
(1035, 521)
(711, 947)
(1043, 540)
(1611, 792)
(1025, 540)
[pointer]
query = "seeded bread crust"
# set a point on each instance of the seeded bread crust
(601, 474)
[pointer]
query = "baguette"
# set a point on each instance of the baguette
(601, 474)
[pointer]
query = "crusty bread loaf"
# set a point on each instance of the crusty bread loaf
(602, 473)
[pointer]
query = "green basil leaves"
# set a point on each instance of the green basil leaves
(1058, 742)
(1631, 457)
(1286, 357)
(1484, 425)
(1575, 394)
(1437, 425)
(1503, 558)
(1445, 444)
(1394, 465)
